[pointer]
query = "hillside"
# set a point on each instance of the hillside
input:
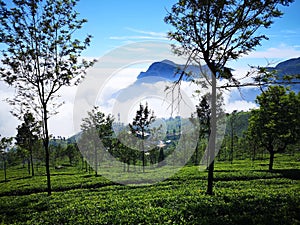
(169, 70)
(289, 67)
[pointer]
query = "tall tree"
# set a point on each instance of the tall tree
(72, 152)
(27, 135)
(96, 127)
(217, 31)
(203, 113)
(232, 118)
(276, 124)
(4, 144)
(140, 126)
(41, 56)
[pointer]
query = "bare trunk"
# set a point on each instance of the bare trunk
(212, 137)
(5, 178)
(28, 165)
(96, 160)
(271, 160)
(82, 162)
(210, 178)
(231, 145)
(143, 159)
(46, 147)
(143, 149)
(197, 152)
(31, 161)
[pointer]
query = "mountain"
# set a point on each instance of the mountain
(168, 70)
(165, 69)
(289, 67)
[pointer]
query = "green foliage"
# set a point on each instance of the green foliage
(276, 124)
(27, 136)
(124, 149)
(5, 143)
(96, 136)
(142, 121)
(72, 152)
(141, 125)
(218, 31)
(246, 193)
(40, 55)
(28, 131)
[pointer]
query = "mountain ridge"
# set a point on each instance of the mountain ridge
(171, 71)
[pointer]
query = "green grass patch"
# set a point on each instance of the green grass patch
(245, 193)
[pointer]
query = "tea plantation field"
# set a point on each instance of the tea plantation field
(244, 193)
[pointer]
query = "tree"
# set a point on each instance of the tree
(27, 135)
(125, 149)
(276, 124)
(161, 156)
(4, 144)
(141, 125)
(217, 31)
(203, 115)
(72, 152)
(232, 122)
(95, 128)
(126, 154)
(41, 56)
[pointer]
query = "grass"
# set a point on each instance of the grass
(245, 193)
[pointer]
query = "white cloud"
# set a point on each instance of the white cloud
(239, 105)
(240, 101)
(281, 52)
(135, 37)
(151, 33)
(8, 123)
(144, 35)
(117, 70)
(61, 124)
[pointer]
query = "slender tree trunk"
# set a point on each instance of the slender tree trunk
(46, 147)
(212, 136)
(143, 159)
(96, 161)
(143, 149)
(5, 178)
(271, 160)
(28, 165)
(31, 161)
(82, 163)
(197, 153)
(231, 144)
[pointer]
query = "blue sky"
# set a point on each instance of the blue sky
(116, 23)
